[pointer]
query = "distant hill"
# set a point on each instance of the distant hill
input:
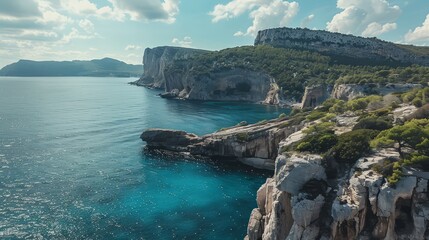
(106, 67)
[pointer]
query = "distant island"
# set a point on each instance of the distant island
(106, 67)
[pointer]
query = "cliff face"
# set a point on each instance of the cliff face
(351, 91)
(300, 202)
(314, 96)
(296, 204)
(226, 85)
(172, 69)
(338, 44)
(156, 60)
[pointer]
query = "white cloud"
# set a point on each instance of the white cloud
(366, 17)
(239, 34)
(75, 34)
(86, 25)
(136, 10)
(264, 13)
(375, 29)
(419, 34)
(307, 20)
(185, 42)
(132, 47)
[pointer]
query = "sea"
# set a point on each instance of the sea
(72, 165)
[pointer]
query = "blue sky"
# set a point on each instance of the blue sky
(122, 29)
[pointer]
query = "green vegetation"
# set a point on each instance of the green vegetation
(316, 114)
(352, 145)
(418, 97)
(242, 136)
(282, 115)
(319, 138)
(295, 69)
(374, 123)
(411, 140)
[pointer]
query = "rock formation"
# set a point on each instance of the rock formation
(351, 91)
(255, 145)
(314, 96)
(172, 69)
(338, 44)
(227, 85)
(156, 60)
(301, 202)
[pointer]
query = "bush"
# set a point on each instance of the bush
(357, 104)
(282, 115)
(417, 102)
(338, 107)
(372, 123)
(352, 145)
(314, 115)
(242, 137)
(326, 105)
(319, 139)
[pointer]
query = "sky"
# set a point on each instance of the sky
(122, 29)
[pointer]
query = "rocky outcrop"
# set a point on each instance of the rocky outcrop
(297, 203)
(256, 144)
(351, 91)
(290, 203)
(168, 139)
(338, 44)
(366, 206)
(157, 60)
(314, 96)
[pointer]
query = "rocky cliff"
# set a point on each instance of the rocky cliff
(226, 85)
(350, 91)
(339, 45)
(301, 201)
(297, 204)
(156, 60)
(314, 96)
(176, 70)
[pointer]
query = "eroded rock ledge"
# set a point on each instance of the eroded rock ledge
(256, 144)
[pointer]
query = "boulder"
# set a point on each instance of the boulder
(168, 139)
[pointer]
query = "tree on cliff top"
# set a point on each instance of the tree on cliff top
(408, 136)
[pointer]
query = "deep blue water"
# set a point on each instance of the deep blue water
(72, 165)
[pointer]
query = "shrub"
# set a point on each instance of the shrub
(328, 117)
(352, 145)
(314, 115)
(373, 123)
(417, 102)
(282, 115)
(319, 138)
(242, 137)
(338, 107)
(326, 105)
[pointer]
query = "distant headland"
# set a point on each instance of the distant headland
(106, 67)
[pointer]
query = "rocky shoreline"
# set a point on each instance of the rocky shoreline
(255, 144)
(301, 200)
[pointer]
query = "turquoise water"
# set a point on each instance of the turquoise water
(72, 165)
